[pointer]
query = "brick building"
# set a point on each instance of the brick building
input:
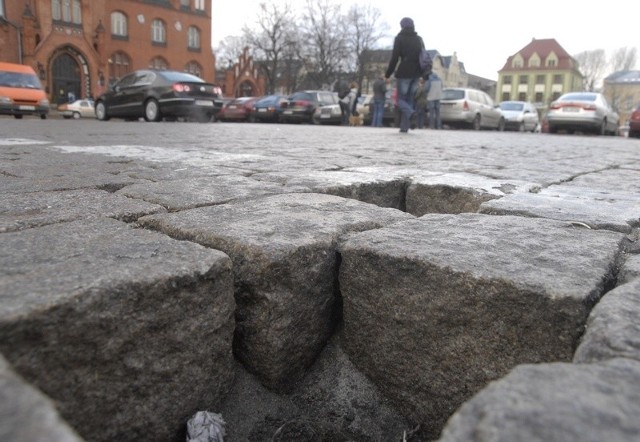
(79, 46)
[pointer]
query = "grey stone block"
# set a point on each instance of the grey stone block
(613, 329)
(436, 307)
(129, 331)
(27, 415)
(25, 210)
(554, 403)
(285, 267)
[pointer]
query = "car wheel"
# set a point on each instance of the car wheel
(43, 116)
(475, 125)
(101, 111)
(151, 110)
(18, 117)
(553, 129)
(501, 124)
(76, 115)
(66, 117)
(633, 134)
(602, 130)
(521, 127)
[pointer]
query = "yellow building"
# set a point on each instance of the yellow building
(540, 72)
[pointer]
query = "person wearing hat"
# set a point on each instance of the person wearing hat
(407, 46)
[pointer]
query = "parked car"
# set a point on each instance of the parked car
(301, 106)
(78, 109)
(157, 94)
(327, 114)
(467, 107)
(21, 92)
(268, 108)
(582, 111)
(238, 109)
(634, 123)
(520, 115)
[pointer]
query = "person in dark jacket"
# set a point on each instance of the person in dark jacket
(406, 49)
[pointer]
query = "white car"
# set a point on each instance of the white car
(520, 115)
(469, 107)
(77, 109)
(582, 111)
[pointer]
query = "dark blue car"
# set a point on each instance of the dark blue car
(268, 108)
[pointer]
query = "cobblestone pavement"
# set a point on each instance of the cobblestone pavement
(332, 258)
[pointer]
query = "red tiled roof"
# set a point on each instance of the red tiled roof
(542, 47)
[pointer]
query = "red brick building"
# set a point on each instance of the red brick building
(79, 46)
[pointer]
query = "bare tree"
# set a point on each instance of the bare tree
(365, 29)
(592, 64)
(623, 59)
(323, 46)
(229, 50)
(272, 40)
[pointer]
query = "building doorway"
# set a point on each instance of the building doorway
(66, 79)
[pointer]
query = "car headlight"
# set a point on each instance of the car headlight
(336, 111)
(44, 102)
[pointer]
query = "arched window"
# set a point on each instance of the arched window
(194, 38)
(158, 63)
(193, 67)
(119, 66)
(158, 31)
(118, 24)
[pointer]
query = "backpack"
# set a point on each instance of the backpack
(343, 89)
(426, 64)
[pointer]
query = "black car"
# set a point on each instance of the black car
(158, 94)
(301, 107)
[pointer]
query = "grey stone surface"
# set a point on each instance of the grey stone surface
(458, 192)
(631, 269)
(129, 331)
(33, 209)
(285, 269)
(431, 321)
(613, 329)
(28, 415)
(597, 209)
(189, 193)
(554, 403)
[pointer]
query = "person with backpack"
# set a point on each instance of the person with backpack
(407, 50)
(342, 88)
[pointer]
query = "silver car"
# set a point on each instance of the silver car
(470, 108)
(582, 111)
(520, 115)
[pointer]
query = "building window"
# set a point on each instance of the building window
(506, 96)
(199, 4)
(524, 79)
(119, 66)
(506, 79)
(551, 62)
(557, 79)
(118, 24)
(540, 79)
(69, 11)
(2, 8)
(555, 96)
(158, 31)
(539, 97)
(194, 38)
(158, 63)
(194, 68)
(184, 4)
(522, 96)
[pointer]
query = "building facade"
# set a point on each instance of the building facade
(79, 47)
(622, 91)
(540, 72)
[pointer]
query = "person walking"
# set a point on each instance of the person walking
(379, 98)
(421, 105)
(350, 102)
(342, 89)
(434, 95)
(407, 46)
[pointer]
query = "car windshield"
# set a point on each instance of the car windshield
(511, 106)
(579, 97)
(17, 79)
(181, 76)
(301, 96)
(452, 94)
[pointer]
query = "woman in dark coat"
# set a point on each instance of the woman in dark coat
(406, 49)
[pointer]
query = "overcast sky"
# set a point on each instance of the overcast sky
(483, 33)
